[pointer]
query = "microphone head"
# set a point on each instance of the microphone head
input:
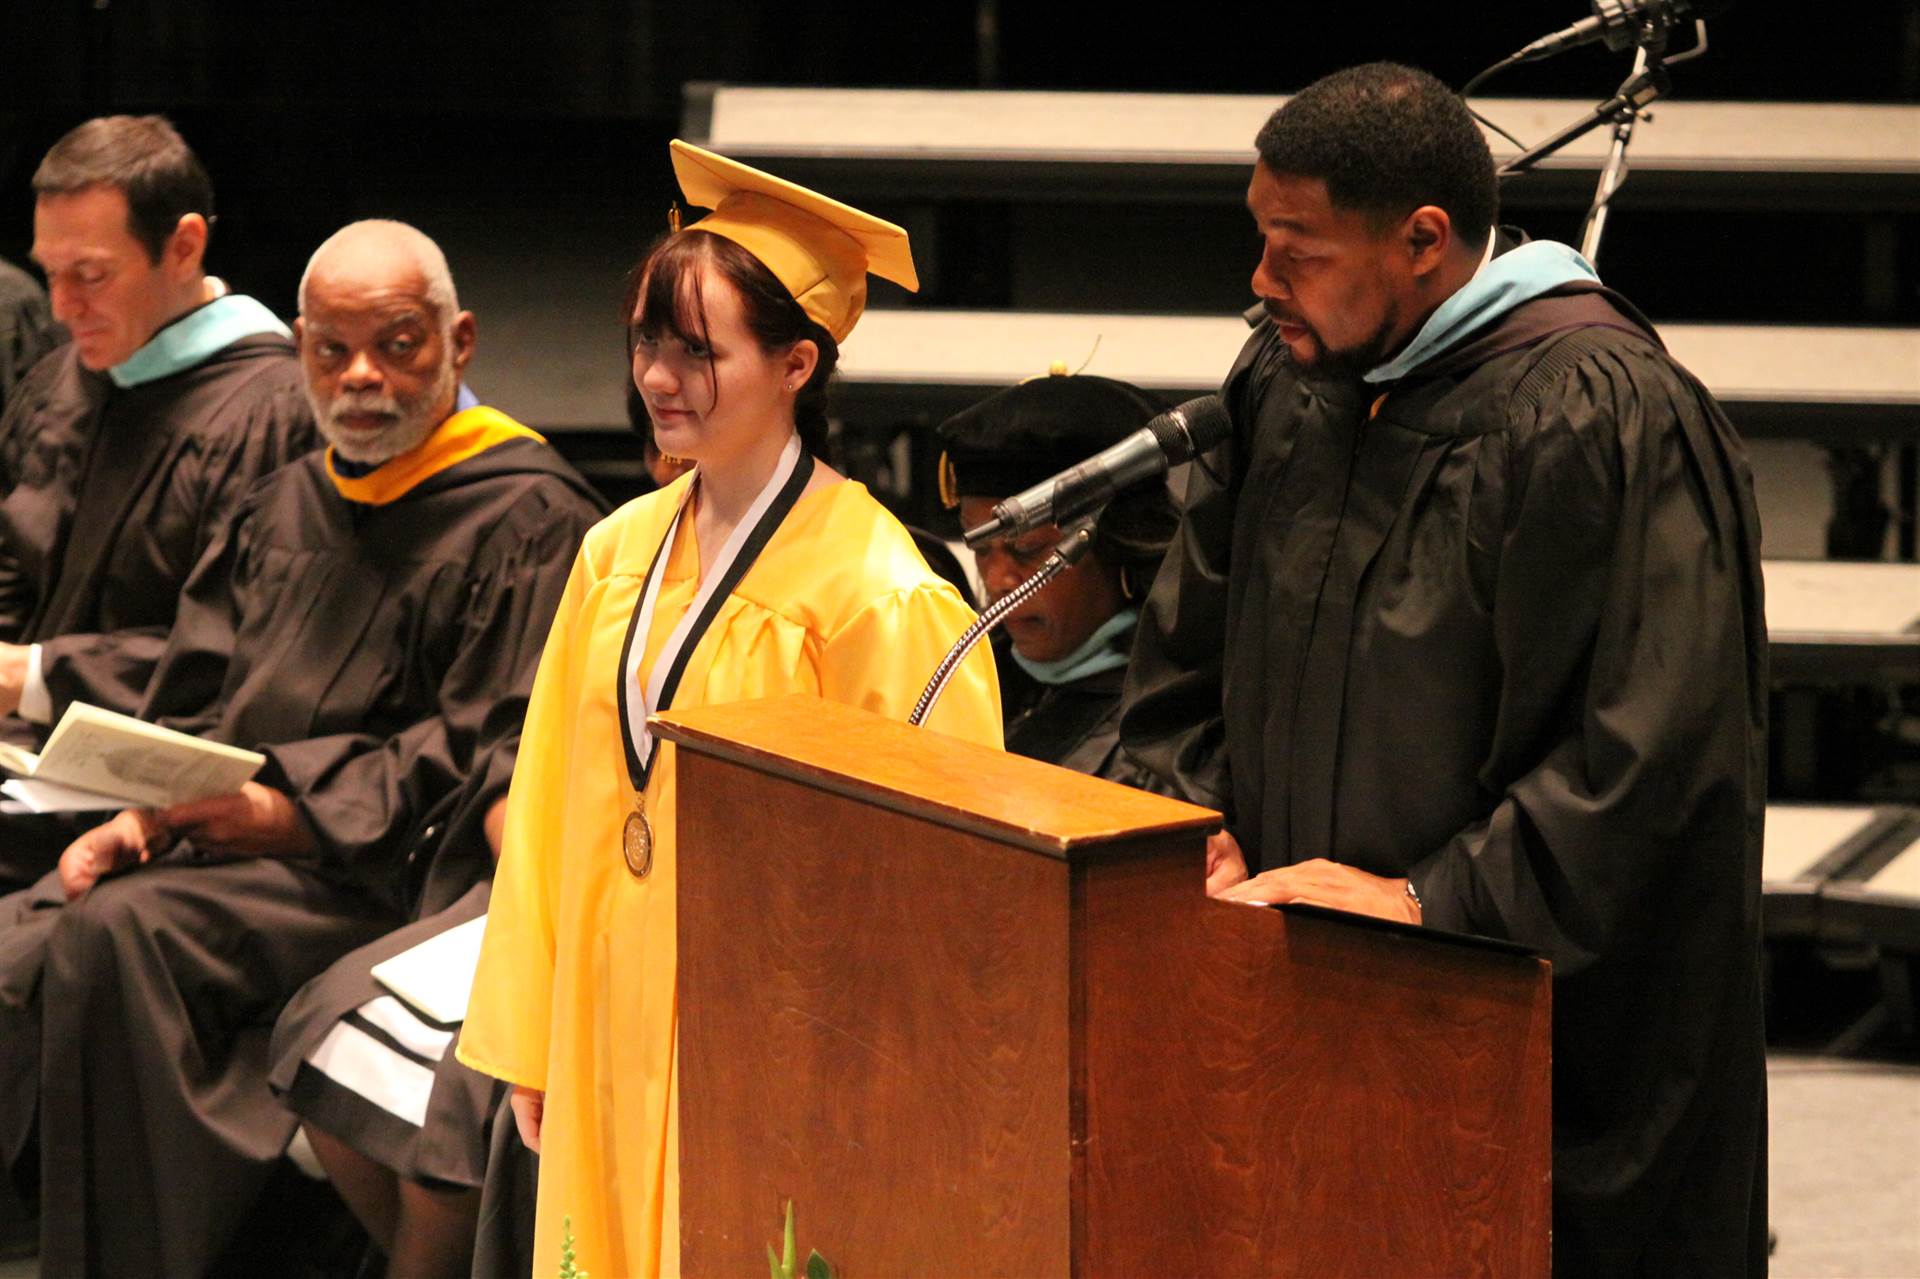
(1620, 20)
(1206, 422)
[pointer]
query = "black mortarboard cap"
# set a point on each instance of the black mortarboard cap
(1022, 435)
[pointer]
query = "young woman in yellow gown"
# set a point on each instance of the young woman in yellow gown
(735, 330)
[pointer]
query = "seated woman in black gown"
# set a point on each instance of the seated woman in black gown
(1073, 638)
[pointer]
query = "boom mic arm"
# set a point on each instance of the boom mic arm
(1621, 24)
(1167, 440)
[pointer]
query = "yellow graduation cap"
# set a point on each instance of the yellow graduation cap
(819, 248)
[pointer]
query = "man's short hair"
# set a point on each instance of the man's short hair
(1387, 139)
(417, 244)
(142, 156)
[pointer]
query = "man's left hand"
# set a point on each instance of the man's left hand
(1329, 884)
(1226, 864)
(256, 821)
(128, 838)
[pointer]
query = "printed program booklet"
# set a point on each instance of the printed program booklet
(436, 976)
(99, 759)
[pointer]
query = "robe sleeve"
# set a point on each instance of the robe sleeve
(112, 669)
(1628, 620)
(881, 658)
(190, 672)
(449, 852)
(359, 794)
(1172, 719)
(27, 330)
(506, 1031)
(17, 593)
(15, 600)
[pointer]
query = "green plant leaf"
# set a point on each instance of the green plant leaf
(568, 1270)
(787, 1255)
(817, 1266)
(773, 1265)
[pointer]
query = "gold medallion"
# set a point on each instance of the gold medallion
(636, 841)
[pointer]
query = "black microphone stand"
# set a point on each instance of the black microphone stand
(1065, 554)
(1647, 83)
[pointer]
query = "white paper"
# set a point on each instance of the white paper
(1901, 876)
(1799, 835)
(52, 797)
(16, 760)
(141, 764)
(1813, 598)
(437, 975)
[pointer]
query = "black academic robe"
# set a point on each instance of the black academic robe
(1077, 726)
(373, 653)
(365, 648)
(1506, 638)
(110, 497)
(27, 330)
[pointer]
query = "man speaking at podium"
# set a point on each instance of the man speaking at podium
(1463, 627)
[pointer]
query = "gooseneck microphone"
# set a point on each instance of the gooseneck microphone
(1167, 440)
(1619, 23)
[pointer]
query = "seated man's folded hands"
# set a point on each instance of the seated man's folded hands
(254, 821)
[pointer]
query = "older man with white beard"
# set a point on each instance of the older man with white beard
(371, 624)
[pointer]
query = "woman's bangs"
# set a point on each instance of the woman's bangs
(670, 301)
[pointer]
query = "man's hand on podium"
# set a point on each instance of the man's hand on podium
(1320, 883)
(1226, 865)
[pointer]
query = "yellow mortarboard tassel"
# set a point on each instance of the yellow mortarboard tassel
(821, 249)
(673, 217)
(949, 482)
(1058, 368)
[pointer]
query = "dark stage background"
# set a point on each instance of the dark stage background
(529, 138)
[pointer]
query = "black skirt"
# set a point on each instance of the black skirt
(354, 1060)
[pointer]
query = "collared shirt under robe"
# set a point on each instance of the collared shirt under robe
(1505, 637)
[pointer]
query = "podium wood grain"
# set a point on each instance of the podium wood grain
(1303, 1096)
(974, 1015)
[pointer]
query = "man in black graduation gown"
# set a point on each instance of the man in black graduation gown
(1463, 627)
(123, 452)
(27, 330)
(1071, 641)
(371, 623)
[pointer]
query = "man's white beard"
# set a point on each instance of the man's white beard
(414, 420)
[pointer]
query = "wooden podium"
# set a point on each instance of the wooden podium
(975, 1015)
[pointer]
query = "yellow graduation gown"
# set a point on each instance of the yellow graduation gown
(575, 990)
